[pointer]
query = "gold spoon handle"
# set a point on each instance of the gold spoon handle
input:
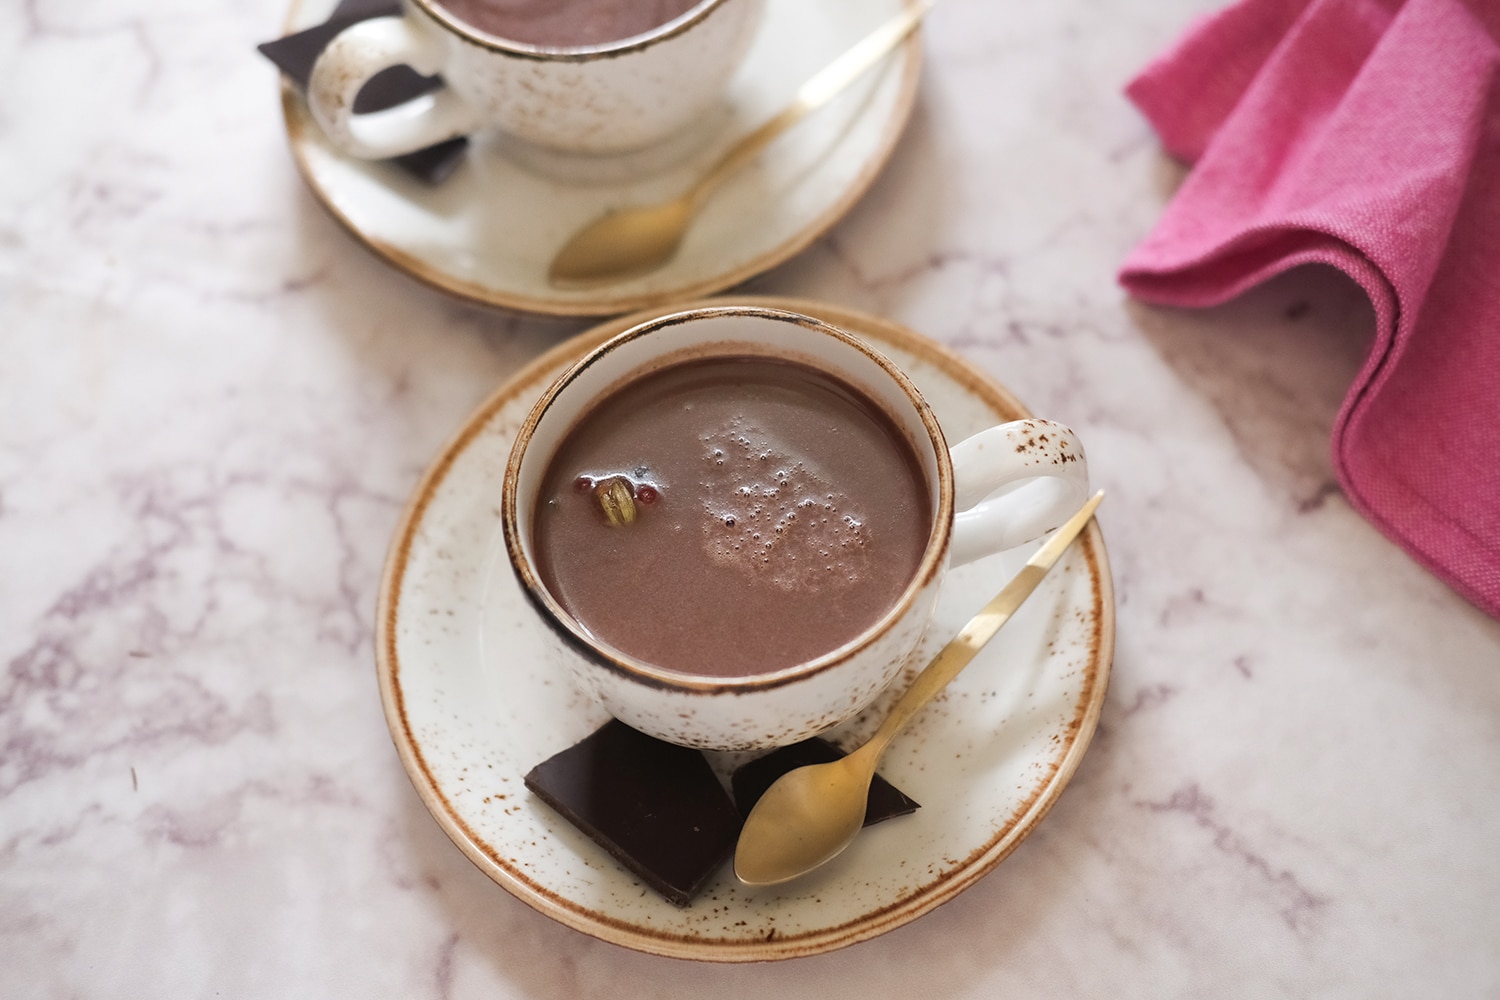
(817, 91)
(953, 657)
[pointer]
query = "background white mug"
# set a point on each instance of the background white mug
(611, 97)
(1010, 484)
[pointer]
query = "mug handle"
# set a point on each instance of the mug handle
(355, 55)
(1014, 483)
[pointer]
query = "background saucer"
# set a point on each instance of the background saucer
(489, 231)
(472, 705)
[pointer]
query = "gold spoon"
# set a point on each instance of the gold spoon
(633, 241)
(810, 814)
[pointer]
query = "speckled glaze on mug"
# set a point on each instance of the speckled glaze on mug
(1015, 481)
(608, 98)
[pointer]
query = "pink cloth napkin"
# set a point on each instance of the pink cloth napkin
(1364, 134)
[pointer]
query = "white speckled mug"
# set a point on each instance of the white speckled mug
(1008, 485)
(611, 97)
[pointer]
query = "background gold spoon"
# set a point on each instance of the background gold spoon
(810, 814)
(633, 241)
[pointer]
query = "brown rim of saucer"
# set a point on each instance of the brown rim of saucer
(934, 554)
(513, 876)
(569, 53)
(302, 130)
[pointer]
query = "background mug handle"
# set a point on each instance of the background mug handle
(1014, 483)
(355, 55)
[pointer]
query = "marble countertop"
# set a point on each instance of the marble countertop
(214, 404)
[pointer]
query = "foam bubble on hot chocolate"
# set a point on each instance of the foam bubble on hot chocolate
(773, 516)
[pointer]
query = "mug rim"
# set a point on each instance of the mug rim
(568, 53)
(929, 569)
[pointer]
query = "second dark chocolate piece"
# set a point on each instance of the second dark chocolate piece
(434, 164)
(657, 808)
(751, 780)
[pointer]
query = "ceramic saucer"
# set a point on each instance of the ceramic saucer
(490, 230)
(472, 705)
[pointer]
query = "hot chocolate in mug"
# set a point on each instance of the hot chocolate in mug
(734, 521)
(575, 76)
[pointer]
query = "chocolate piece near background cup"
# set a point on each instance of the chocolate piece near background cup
(657, 808)
(295, 54)
(751, 780)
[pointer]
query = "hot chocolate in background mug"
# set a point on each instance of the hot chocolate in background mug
(592, 97)
(1000, 488)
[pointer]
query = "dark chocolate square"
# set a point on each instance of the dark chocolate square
(434, 164)
(657, 808)
(295, 54)
(751, 780)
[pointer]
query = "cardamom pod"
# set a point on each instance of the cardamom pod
(616, 499)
